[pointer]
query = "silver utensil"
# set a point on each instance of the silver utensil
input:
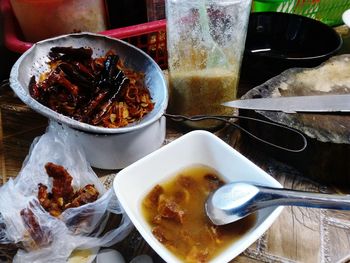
(317, 103)
(234, 201)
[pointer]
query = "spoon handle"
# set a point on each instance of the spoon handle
(274, 196)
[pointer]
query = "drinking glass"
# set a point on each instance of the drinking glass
(205, 42)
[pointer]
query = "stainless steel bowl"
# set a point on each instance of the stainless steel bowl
(34, 62)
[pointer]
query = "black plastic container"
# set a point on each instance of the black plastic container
(278, 41)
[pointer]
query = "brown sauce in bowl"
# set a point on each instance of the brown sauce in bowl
(175, 211)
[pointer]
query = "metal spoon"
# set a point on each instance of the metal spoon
(234, 201)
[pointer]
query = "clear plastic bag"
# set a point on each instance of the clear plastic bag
(47, 238)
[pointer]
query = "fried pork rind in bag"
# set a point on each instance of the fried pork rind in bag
(40, 236)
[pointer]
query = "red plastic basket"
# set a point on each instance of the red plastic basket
(150, 37)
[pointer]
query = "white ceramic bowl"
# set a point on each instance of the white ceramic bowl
(106, 148)
(116, 151)
(198, 147)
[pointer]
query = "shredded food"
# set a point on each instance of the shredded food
(100, 91)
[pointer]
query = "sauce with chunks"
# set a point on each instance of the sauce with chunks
(175, 211)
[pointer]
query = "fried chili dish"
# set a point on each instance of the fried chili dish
(99, 91)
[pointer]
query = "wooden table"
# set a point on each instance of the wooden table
(298, 235)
